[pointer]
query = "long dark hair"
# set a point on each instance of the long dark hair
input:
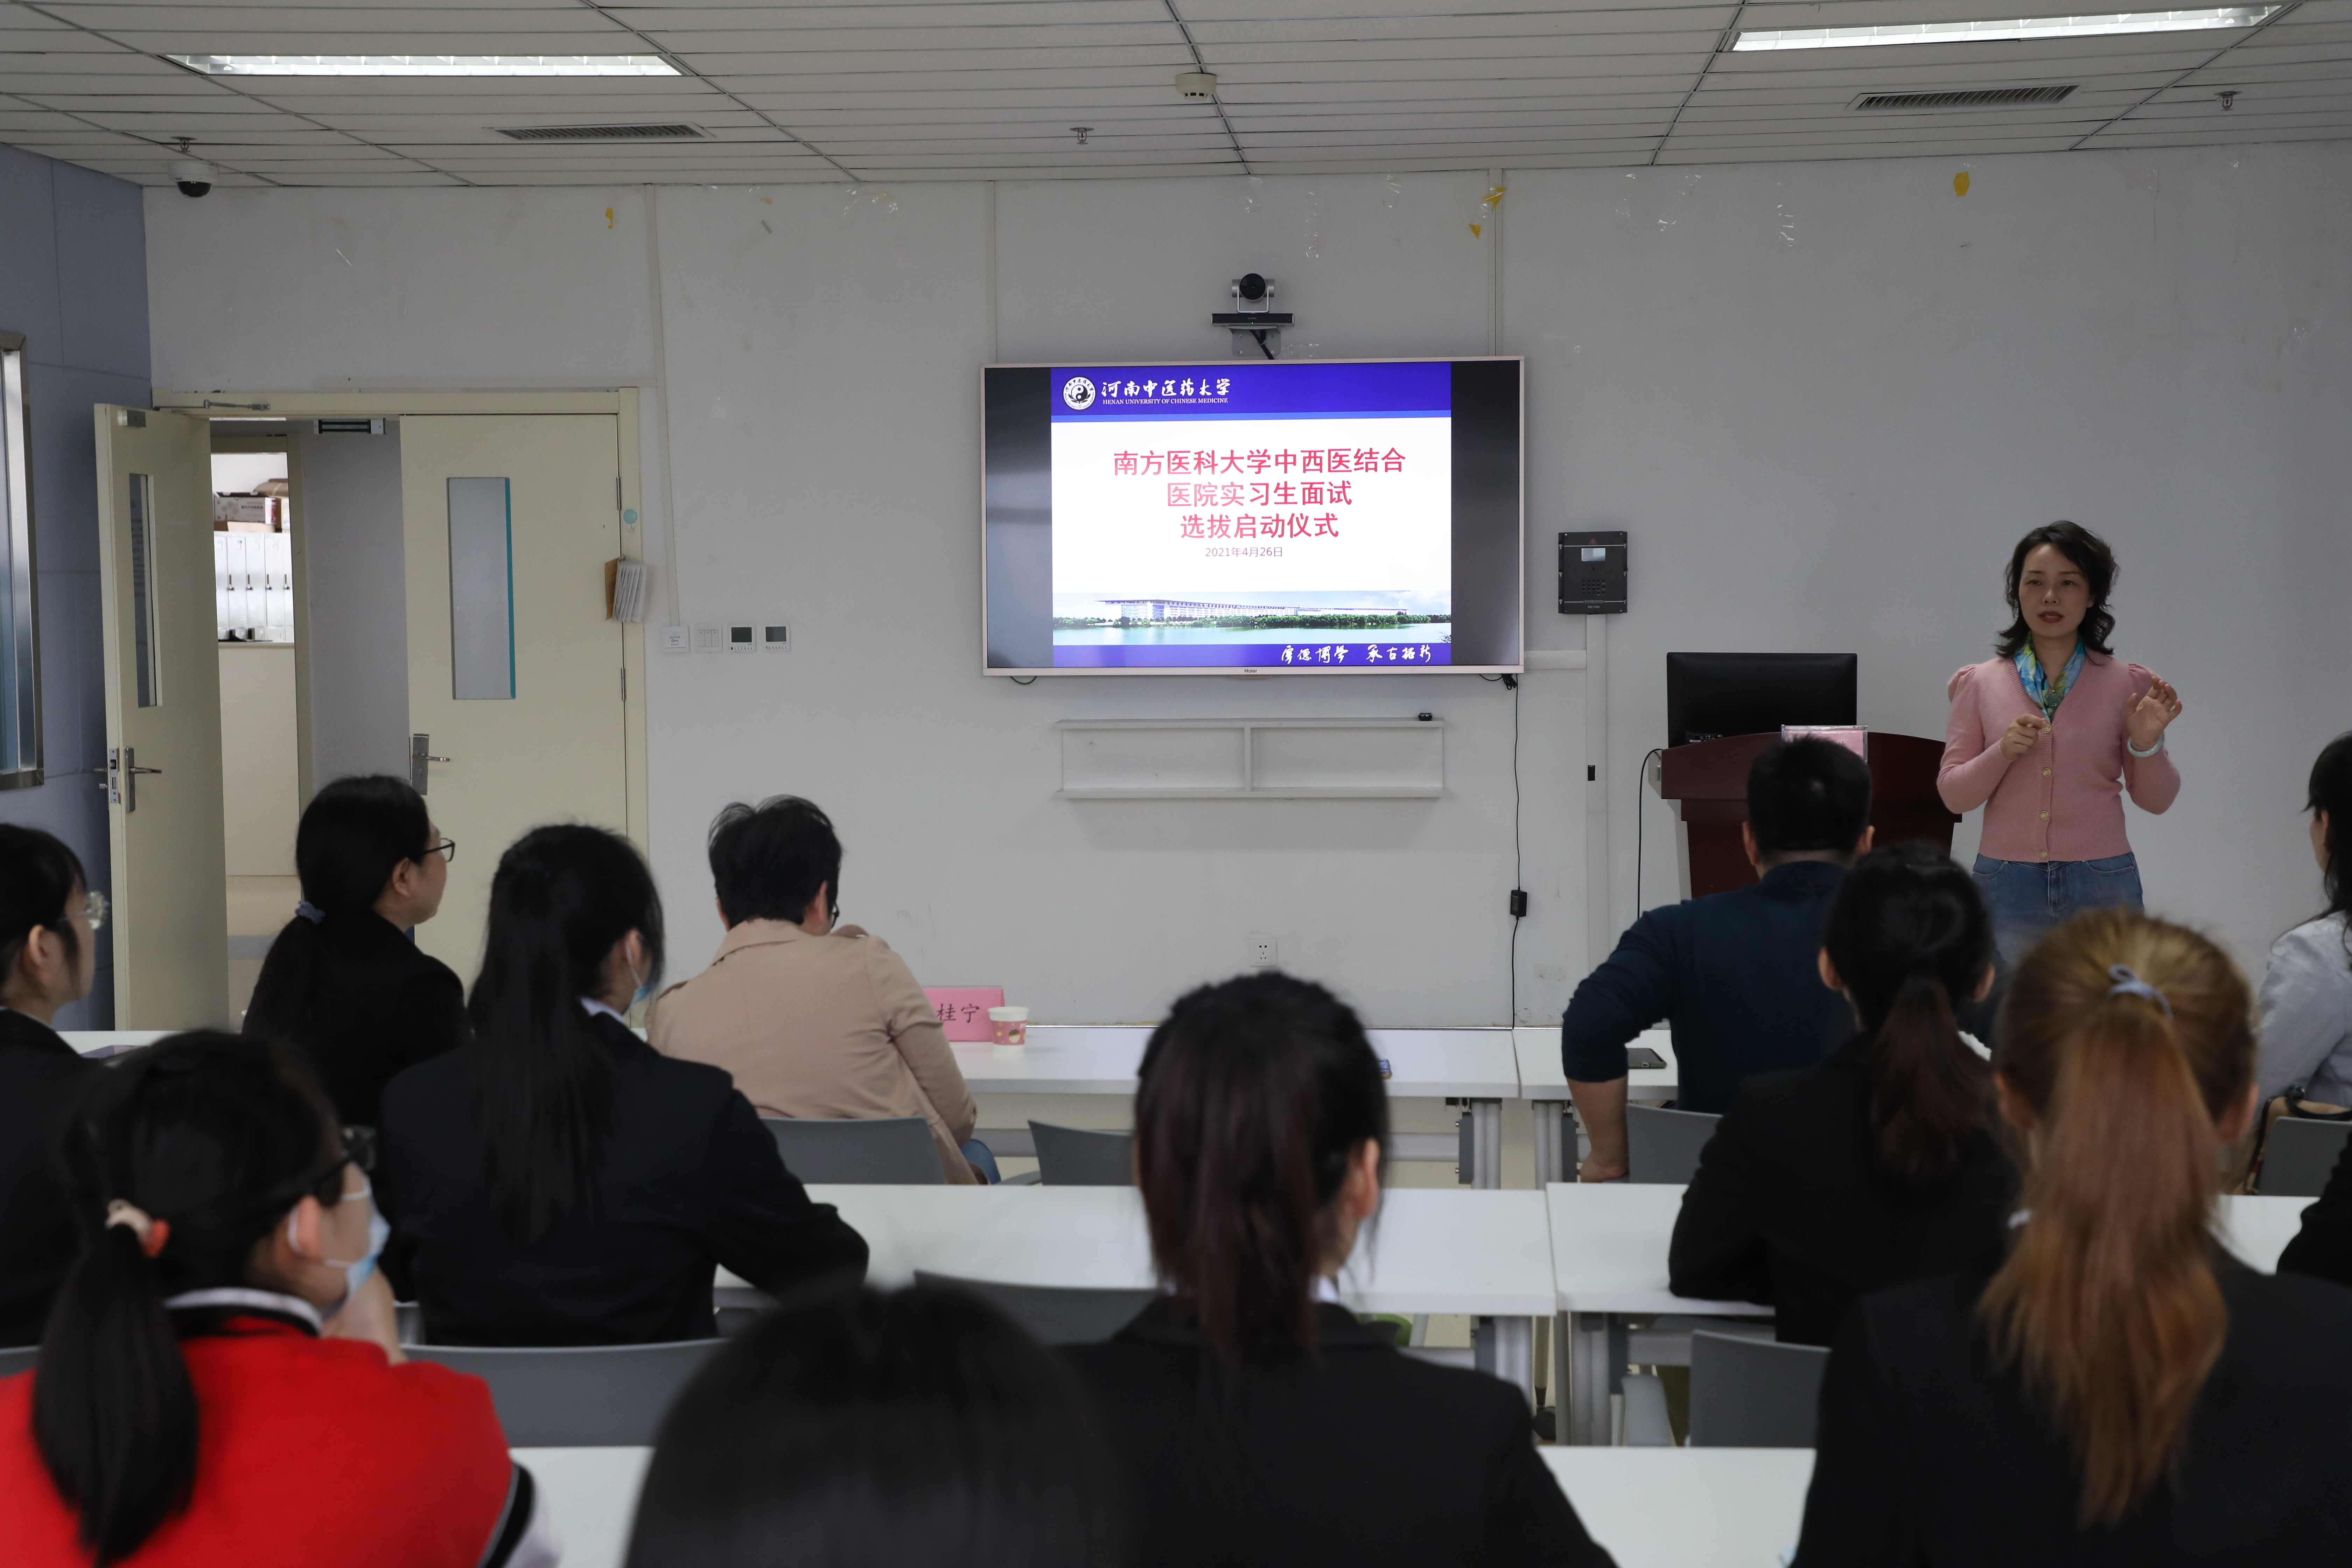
(919, 1429)
(2331, 792)
(1254, 1096)
(1910, 936)
(38, 874)
(354, 834)
(215, 1136)
(2092, 557)
(560, 899)
(2108, 1304)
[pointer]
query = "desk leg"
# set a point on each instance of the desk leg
(1552, 1164)
(1486, 1143)
(1507, 1349)
(1596, 1358)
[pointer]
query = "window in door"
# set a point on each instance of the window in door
(20, 668)
(143, 588)
(481, 590)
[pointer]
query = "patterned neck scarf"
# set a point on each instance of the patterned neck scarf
(2045, 692)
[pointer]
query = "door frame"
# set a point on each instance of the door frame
(620, 402)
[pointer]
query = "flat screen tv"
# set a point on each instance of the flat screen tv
(1325, 517)
(1712, 695)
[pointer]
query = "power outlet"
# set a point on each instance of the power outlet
(1265, 952)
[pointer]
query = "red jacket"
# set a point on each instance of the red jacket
(311, 1451)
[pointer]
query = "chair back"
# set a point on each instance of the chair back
(891, 1151)
(1083, 1157)
(20, 1359)
(2298, 1156)
(1661, 1146)
(578, 1396)
(1753, 1394)
(1054, 1314)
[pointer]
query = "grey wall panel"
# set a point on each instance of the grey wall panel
(102, 247)
(29, 253)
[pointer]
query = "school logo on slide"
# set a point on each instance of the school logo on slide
(1078, 393)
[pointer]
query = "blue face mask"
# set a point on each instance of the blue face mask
(644, 992)
(355, 1273)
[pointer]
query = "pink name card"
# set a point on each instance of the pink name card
(963, 1009)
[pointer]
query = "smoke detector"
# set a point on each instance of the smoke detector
(1196, 87)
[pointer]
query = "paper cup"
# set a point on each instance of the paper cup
(1010, 1024)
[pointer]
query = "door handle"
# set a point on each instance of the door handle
(420, 753)
(123, 771)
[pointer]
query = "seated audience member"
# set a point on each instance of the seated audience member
(811, 1019)
(1259, 1422)
(220, 1383)
(344, 980)
(2307, 1013)
(921, 1430)
(1736, 974)
(48, 951)
(2120, 1390)
(2307, 997)
(1880, 1164)
(557, 1181)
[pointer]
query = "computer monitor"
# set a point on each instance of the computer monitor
(1711, 695)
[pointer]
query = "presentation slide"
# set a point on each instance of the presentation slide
(1272, 516)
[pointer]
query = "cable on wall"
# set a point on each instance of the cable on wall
(1641, 816)
(1519, 862)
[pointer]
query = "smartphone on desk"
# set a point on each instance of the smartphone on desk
(1642, 1059)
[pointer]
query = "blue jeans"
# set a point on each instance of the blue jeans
(981, 1154)
(2029, 897)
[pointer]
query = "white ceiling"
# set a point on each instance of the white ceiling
(915, 90)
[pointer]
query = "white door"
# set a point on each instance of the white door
(170, 925)
(514, 698)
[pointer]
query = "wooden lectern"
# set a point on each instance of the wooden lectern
(1707, 782)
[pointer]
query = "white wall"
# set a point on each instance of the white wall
(1823, 398)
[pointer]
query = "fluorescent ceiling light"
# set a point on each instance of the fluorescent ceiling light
(426, 65)
(2024, 28)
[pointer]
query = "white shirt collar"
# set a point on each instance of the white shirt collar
(595, 1007)
(238, 1296)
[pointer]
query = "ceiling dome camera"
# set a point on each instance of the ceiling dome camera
(192, 177)
(1252, 286)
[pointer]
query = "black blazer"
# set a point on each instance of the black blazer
(2323, 1248)
(687, 1179)
(383, 1006)
(1929, 1454)
(39, 1075)
(1787, 1209)
(1365, 1457)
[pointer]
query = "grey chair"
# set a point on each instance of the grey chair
(1753, 1394)
(2299, 1154)
(1083, 1157)
(1661, 1146)
(1054, 1314)
(578, 1396)
(13, 1361)
(892, 1151)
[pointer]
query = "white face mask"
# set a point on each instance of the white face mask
(356, 1272)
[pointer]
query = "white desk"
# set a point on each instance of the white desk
(111, 1042)
(2257, 1229)
(592, 1499)
(1686, 1508)
(1474, 1065)
(1609, 1262)
(1544, 1084)
(1484, 1254)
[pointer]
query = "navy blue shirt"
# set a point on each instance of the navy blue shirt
(1737, 975)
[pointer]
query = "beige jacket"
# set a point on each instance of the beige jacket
(821, 1026)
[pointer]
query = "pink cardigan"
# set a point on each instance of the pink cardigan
(2061, 801)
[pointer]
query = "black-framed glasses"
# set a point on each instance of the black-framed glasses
(446, 849)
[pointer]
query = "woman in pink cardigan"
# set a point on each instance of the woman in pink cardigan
(2054, 824)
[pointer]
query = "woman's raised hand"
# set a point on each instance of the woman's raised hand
(2144, 718)
(2022, 732)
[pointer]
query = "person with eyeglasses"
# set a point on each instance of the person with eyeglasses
(221, 1381)
(48, 955)
(345, 981)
